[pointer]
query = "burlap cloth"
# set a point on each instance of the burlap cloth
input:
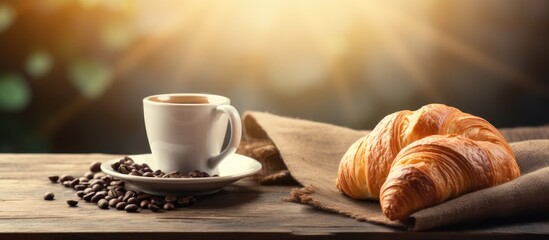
(309, 152)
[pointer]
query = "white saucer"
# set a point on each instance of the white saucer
(231, 169)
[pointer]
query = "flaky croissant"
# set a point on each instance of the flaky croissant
(416, 159)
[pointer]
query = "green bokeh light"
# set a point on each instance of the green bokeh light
(116, 36)
(39, 64)
(14, 93)
(90, 77)
(7, 16)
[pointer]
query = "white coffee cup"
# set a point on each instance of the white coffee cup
(186, 131)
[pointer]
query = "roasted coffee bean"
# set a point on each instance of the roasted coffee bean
(146, 169)
(72, 203)
(120, 198)
(74, 182)
(148, 174)
(157, 200)
(121, 205)
(103, 204)
(154, 207)
(135, 173)
(170, 198)
(116, 183)
(107, 179)
(53, 178)
(88, 196)
(142, 196)
(97, 187)
(79, 187)
(123, 169)
(80, 194)
(49, 196)
(184, 201)
(67, 184)
(121, 189)
(83, 179)
(88, 190)
(65, 177)
(131, 208)
(131, 193)
(195, 174)
(115, 166)
(98, 181)
(108, 198)
(95, 167)
(133, 200)
(102, 192)
(144, 204)
(169, 206)
(136, 166)
(113, 202)
(89, 175)
(98, 175)
(112, 193)
(97, 197)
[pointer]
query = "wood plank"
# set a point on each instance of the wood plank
(245, 210)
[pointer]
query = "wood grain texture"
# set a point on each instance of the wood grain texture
(243, 210)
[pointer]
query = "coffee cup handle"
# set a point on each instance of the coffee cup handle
(236, 134)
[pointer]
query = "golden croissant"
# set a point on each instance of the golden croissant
(416, 159)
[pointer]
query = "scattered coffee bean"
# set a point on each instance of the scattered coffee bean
(97, 197)
(49, 196)
(83, 179)
(74, 182)
(103, 204)
(113, 202)
(97, 187)
(72, 203)
(89, 175)
(145, 204)
(95, 167)
(98, 175)
(65, 177)
(108, 191)
(88, 196)
(53, 178)
(169, 206)
(142, 196)
(154, 207)
(131, 208)
(133, 200)
(170, 198)
(184, 201)
(121, 205)
(80, 194)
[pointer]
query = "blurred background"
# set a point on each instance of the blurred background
(73, 72)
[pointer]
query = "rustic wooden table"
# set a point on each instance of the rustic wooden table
(243, 210)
